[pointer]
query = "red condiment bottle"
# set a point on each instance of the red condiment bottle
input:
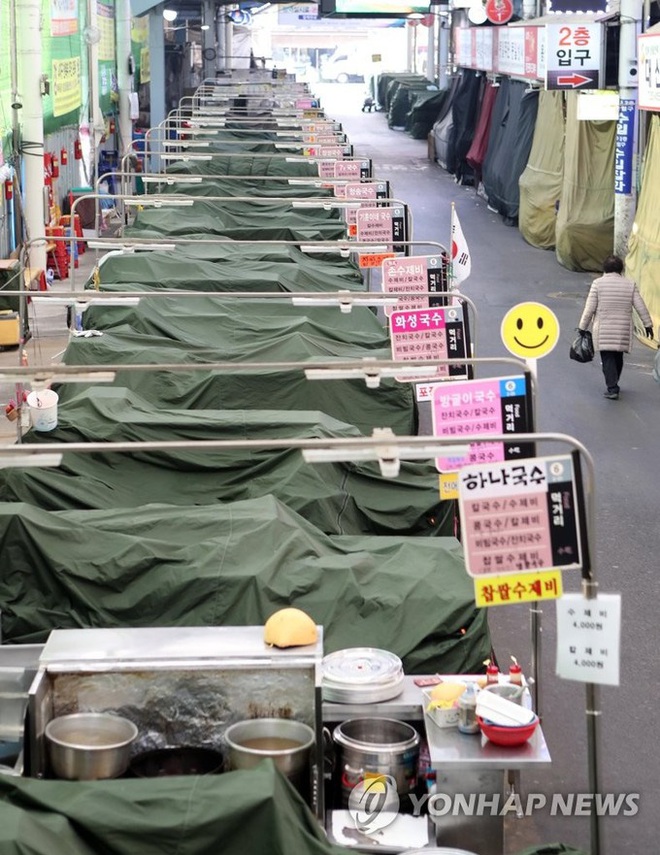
(515, 672)
(492, 673)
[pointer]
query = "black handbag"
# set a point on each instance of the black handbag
(582, 349)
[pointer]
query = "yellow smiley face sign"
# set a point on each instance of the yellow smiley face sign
(530, 330)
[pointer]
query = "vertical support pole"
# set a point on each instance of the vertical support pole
(626, 165)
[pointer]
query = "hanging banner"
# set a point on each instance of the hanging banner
(67, 94)
(106, 24)
(63, 17)
(623, 152)
(521, 516)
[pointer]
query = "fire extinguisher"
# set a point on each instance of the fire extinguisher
(55, 166)
(77, 150)
(64, 157)
(48, 169)
(111, 126)
(9, 189)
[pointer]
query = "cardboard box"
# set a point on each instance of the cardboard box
(10, 331)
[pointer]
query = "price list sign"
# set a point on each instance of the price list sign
(589, 638)
(429, 334)
(383, 226)
(472, 407)
(519, 516)
(352, 169)
(365, 195)
(414, 278)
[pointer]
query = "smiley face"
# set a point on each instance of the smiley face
(530, 330)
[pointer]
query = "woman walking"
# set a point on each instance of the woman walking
(609, 305)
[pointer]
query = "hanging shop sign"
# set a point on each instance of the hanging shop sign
(648, 54)
(383, 225)
(512, 588)
(499, 11)
(358, 169)
(522, 515)
(417, 334)
(364, 195)
(63, 17)
(415, 278)
(574, 56)
(589, 638)
(477, 407)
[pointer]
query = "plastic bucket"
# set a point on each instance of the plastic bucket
(43, 409)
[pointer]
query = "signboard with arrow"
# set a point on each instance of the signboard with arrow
(574, 56)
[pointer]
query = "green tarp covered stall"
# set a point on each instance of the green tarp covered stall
(338, 498)
(234, 565)
(245, 164)
(643, 259)
(184, 270)
(238, 813)
(585, 220)
(202, 329)
(226, 186)
(221, 250)
(265, 220)
(541, 180)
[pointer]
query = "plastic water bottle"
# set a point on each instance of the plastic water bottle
(467, 710)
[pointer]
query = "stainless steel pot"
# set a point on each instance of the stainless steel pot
(90, 746)
(288, 743)
(375, 746)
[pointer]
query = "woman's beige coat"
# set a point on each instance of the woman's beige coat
(609, 305)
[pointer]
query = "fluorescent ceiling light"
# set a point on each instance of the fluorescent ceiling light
(171, 179)
(153, 202)
(372, 375)
(346, 300)
(44, 378)
(28, 460)
(185, 143)
(388, 454)
(184, 156)
(131, 247)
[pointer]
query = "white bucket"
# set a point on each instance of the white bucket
(43, 409)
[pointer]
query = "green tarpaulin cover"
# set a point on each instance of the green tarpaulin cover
(234, 565)
(181, 270)
(245, 164)
(253, 187)
(179, 330)
(585, 220)
(237, 813)
(338, 498)
(242, 220)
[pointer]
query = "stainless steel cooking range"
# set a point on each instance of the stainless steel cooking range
(182, 687)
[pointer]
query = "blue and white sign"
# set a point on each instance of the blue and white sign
(623, 154)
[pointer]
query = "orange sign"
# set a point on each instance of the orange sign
(373, 259)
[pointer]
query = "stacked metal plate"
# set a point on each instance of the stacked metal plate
(361, 675)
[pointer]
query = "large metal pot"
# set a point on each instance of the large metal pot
(90, 746)
(375, 746)
(288, 743)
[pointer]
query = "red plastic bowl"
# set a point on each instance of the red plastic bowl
(508, 736)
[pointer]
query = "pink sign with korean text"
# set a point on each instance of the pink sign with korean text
(521, 516)
(413, 277)
(478, 407)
